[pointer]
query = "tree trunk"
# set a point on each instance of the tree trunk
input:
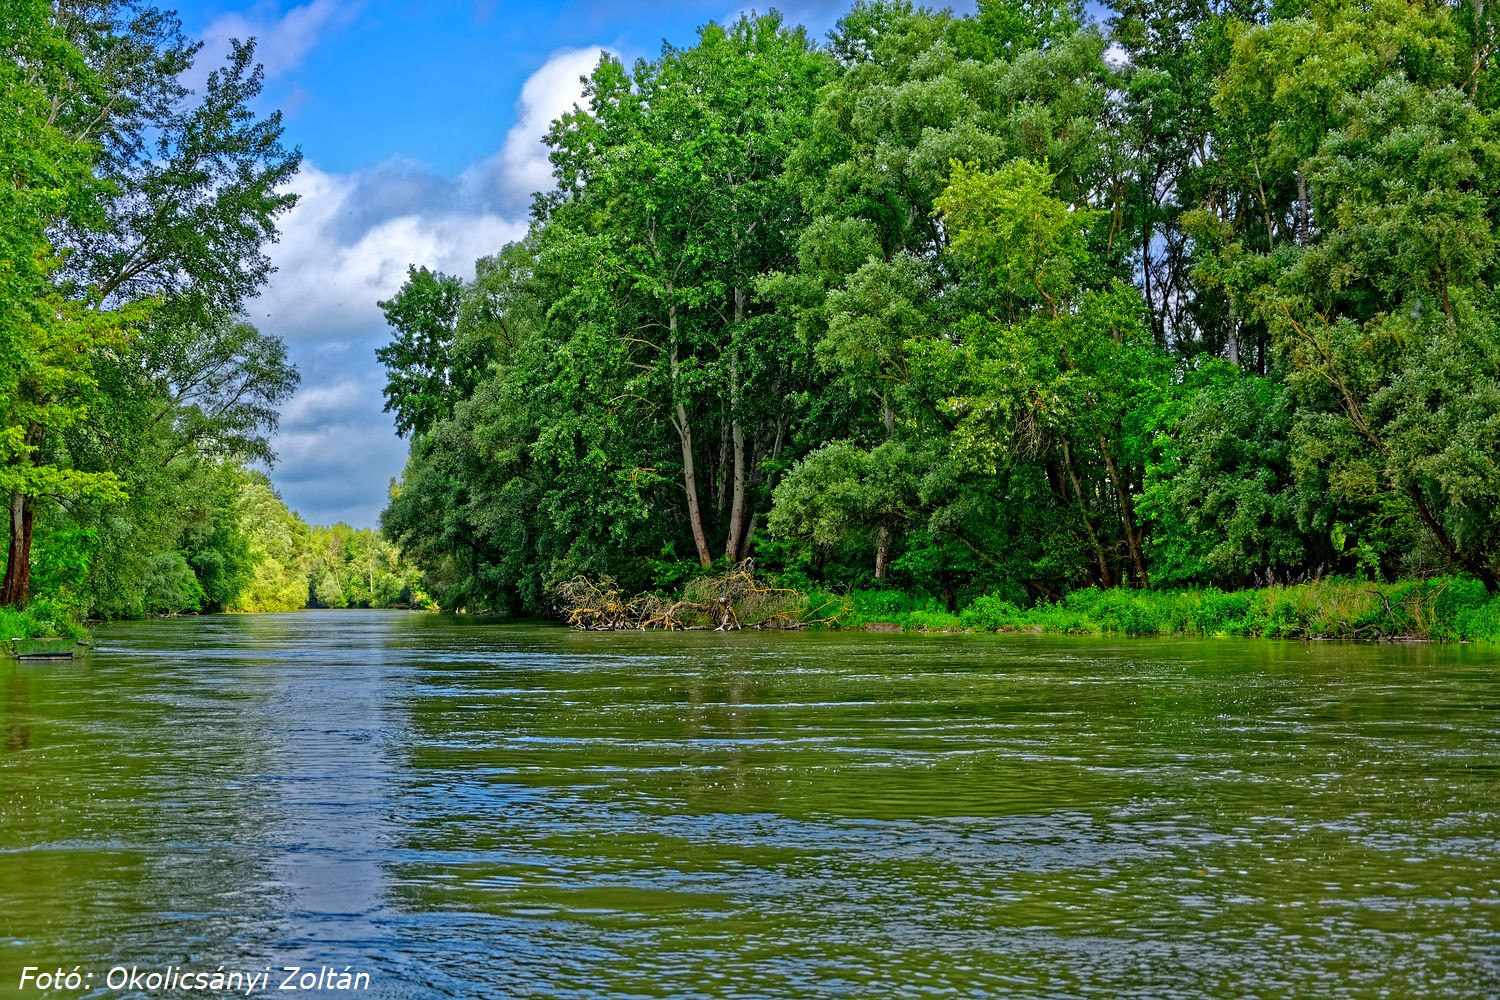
(1479, 49)
(1234, 332)
(882, 551)
(1146, 229)
(1056, 482)
(750, 527)
(737, 436)
(1127, 514)
(685, 435)
(1105, 580)
(15, 590)
(1304, 211)
(720, 476)
(1476, 566)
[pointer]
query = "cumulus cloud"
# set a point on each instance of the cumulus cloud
(347, 245)
(521, 167)
(284, 39)
(344, 247)
(336, 448)
(348, 242)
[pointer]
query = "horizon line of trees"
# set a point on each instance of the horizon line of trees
(1006, 303)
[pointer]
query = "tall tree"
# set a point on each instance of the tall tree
(671, 179)
(424, 378)
(177, 199)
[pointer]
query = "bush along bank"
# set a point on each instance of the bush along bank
(41, 618)
(1442, 609)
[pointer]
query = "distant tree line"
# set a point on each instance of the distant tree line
(1009, 303)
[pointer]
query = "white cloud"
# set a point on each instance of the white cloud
(319, 402)
(344, 247)
(283, 39)
(521, 167)
(347, 245)
(348, 242)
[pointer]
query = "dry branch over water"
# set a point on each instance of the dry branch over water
(725, 602)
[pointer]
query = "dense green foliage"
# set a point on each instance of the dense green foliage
(292, 565)
(133, 394)
(1443, 608)
(1012, 304)
(359, 568)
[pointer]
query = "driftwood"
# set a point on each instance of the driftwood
(724, 603)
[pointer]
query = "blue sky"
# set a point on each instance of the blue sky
(420, 125)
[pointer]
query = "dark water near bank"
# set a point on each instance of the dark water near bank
(490, 810)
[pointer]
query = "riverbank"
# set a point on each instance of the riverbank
(40, 618)
(1442, 609)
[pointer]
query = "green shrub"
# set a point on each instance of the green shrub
(990, 614)
(1445, 608)
(171, 587)
(42, 617)
(1480, 621)
(932, 621)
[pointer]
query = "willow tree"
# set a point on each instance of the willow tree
(1380, 293)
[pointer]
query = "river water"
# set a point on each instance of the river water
(473, 809)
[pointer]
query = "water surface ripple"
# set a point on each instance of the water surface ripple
(474, 809)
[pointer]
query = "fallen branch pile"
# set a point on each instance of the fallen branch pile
(729, 601)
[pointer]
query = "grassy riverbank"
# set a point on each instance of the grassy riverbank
(1447, 609)
(41, 617)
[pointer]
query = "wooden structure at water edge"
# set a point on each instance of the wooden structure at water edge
(49, 648)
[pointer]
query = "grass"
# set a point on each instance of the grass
(40, 618)
(1444, 609)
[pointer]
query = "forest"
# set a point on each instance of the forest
(137, 403)
(1017, 307)
(1010, 306)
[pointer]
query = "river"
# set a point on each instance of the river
(471, 809)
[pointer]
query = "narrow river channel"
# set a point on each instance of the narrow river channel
(473, 809)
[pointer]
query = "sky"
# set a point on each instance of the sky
(420, 124)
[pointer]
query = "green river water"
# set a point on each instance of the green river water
(468, 809)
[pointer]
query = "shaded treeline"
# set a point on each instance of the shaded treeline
(1012, 303)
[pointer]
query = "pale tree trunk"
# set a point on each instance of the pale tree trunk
(685, 436)
(1234, 332)
(1304, 211)
(1481, 48)
(750, 528)
(737, 435)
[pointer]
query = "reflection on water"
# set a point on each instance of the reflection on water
(470, 809)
